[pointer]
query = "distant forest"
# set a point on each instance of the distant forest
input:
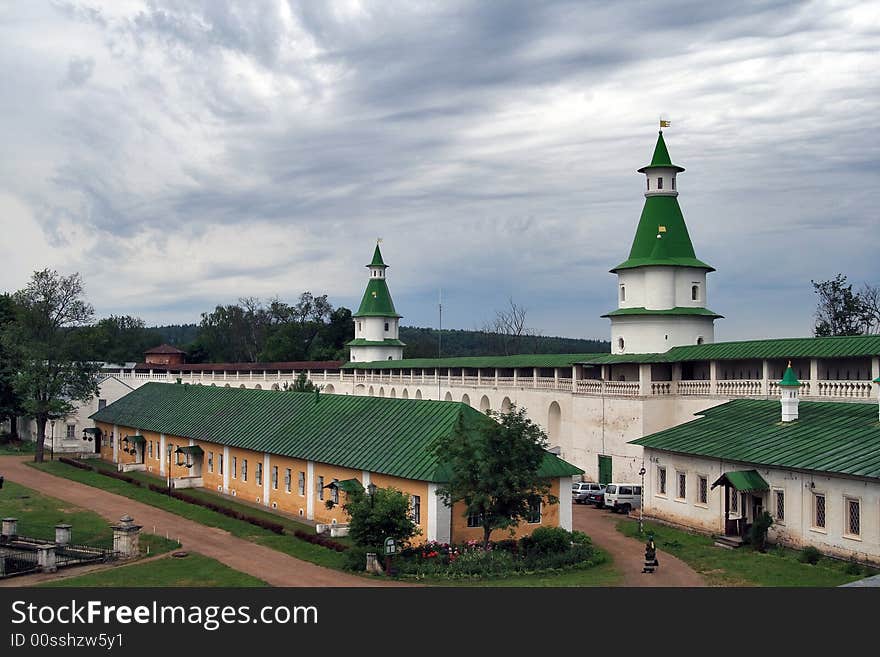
(310, 329)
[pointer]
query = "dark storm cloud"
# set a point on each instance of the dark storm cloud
(259, 147)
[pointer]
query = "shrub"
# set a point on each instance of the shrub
(75, 463)
(323, 541)
(546, 540)
(810, 555)
(853, 568)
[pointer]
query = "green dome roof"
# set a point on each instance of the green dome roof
(789, 380)
(661, 215)
(661, 157)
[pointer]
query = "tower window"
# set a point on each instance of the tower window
(659, 183)
(673, 182)
(695, 292)
(623, 293)
(700, 340)
(386, 326)
(648, 180)
(620, 343)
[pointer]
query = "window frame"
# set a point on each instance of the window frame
(274, 477)
(662, 490)
(244, 471)
(814, 512)
(319, 487)
(234, 471)
(258, 475)
(847, 518)
(777, 492)
(681, 486)
(702, 490)
(301, 483)
(530, 518)
(415, 506)
(288, 480)
(211, 462)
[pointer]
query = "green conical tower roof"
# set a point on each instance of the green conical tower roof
(661, 215)
(377, 258)
(661, 157)
(789, 379)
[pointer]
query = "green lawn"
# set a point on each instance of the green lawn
(193, 570)
(744, 566)
(283, 543)
(16, 448)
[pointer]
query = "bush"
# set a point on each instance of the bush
(546, 540)
(75, 463)
(810, 555)
(853, 568)
(323, 541)
(356, 559)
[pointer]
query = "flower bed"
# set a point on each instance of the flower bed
(548, 549)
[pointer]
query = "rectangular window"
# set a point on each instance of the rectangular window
(734, 500)
(320, 488)
(415, 508)
(210, 461)
(534, 516)
(702, 489)
(288, 475)
(673, 182)
(819, 510)
(102, 403)
(259, 473)
(220, 461)
(244, 469)
(386, 327)
(301, 483)
(661, 480)
(274, 477)
(235, 467)
(475, 520)
(853, 516)
(151, 449)
(334, 492)
(779, 500)
(71, 431)
(659, 183)
(681, 493)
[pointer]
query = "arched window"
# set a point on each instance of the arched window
(695, 292)
(623, 293)
(620, 343)
(700, 340)
(659, 183)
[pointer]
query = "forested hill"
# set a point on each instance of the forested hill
(420, 343)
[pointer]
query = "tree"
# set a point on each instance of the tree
(51, 376)
(840, 310)
(373, 518)
(493, 469)
(508, 334)
(302, 384)
(120, 338)
(10, 400)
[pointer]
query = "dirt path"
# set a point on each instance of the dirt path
(629, 554)
(271, 566)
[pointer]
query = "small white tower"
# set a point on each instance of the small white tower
(790, 388)
(877, 381)
(661, 287)
(376, 323)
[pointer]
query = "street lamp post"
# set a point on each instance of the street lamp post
(642, 502)
(52, 444)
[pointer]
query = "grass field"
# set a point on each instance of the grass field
(192, 570)
(744, 566)
(15, 448)
(283, 543)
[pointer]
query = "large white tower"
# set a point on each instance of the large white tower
(661, 287)
(376, 323)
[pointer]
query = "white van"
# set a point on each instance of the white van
(622, 498)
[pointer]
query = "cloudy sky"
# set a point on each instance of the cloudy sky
(181, 154)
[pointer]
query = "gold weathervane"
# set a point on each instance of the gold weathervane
(664, 124)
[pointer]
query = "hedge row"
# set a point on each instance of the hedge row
(274, 527)
(318, 539)
(75, 463)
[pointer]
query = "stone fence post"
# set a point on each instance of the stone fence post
(126, 538)
(46, 558)
(62, 534)
(9, 528)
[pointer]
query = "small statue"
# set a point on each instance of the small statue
(651, 562)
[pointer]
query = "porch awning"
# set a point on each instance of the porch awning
(346, 485)
(195, 450)
(92, 430)
(136, 439)
(745, 481)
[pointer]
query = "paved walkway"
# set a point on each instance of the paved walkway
(628, 553)
(271, 566)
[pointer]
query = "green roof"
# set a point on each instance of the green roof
(835, 437)
(789, 379)
(661, 157)
(377, 300)
(678, 310)
(745, 481)
(858, 346)
(388, 342)
(661, 215)
(387, 436)
(877, 380)
(476, 362)
(377, 259)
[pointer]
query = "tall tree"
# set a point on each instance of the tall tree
(493, 469)
(52, 375)
(120, 338)
(10, 401)
(840, 310)
(508, 333)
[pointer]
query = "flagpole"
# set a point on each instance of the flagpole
(439, 340)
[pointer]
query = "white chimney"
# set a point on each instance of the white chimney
(790, 387)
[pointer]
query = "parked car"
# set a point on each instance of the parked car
(581, 490)
(597, 498)
(622, 498)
